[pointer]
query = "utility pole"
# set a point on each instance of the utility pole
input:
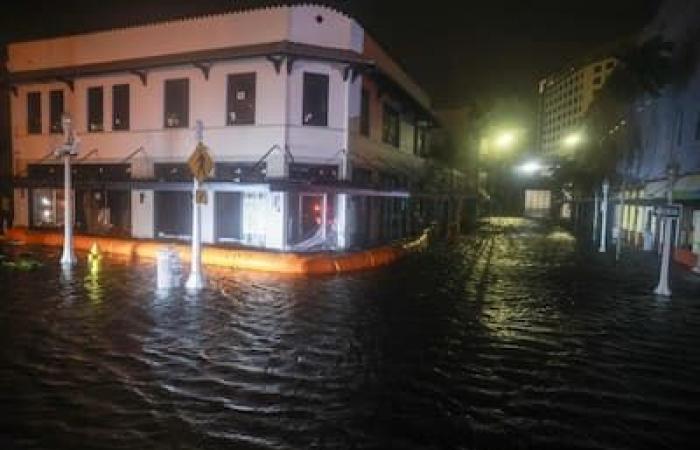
(68, 149)
(604, 219)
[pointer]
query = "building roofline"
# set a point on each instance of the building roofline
(609, 50)
(284, 49)
(243, 7)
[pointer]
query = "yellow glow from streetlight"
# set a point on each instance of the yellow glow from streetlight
(572, 140)
(505, 139)
(530, 167)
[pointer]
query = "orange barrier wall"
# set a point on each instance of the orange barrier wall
(685, 257)
(236, 258)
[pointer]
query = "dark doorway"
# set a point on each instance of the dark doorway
(228, 210)
(173, 214)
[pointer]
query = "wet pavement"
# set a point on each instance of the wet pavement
(515, 337)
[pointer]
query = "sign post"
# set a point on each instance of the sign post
(668, 214)
(201, 165)
(68, 149)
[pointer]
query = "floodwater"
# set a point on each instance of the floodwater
(515, 337)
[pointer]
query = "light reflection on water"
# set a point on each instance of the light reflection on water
(511, 338)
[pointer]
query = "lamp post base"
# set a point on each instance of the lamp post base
(68, 259)
(663, 291)
(195, 281)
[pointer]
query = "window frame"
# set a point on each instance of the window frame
(34, 126)
(388, 111)
(420, 149)
(232, 100)
(56, 117)
(98, 112)
(183, 122)
(307, 107)
(126, 120)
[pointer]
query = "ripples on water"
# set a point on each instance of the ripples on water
(512, 338)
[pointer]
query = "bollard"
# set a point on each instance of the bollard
(167, 268)
(175, 267)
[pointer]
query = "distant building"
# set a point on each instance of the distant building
(320, 139)
(564, 98)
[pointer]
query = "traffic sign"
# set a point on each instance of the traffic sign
(200, 162)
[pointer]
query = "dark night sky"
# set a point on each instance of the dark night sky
(461, 51)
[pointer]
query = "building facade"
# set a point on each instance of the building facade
(665, 143)
(564, 98)
(320, 139)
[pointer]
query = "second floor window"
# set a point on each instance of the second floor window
(315, 104)
(240, 99)
(34, 112)
(56, 111)
(390, 126)
(364, 113)
(420, 143)
(177, 103)
(95, 111)
(120, 107)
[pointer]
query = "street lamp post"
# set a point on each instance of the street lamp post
(604, 218)
(596, 211)
(68, 149)
(663, 288)
(620, 222)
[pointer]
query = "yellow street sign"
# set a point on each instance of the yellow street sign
(200, 162)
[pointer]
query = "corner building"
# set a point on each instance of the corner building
(320, 139)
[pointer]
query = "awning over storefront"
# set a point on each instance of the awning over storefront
(687, 188)
(655, 189)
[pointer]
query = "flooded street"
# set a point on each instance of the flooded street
(514, 337)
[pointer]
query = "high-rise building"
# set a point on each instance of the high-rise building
(565, 96)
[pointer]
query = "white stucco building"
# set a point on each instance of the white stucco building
(318, 136)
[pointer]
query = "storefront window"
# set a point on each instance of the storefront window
(47, 207)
